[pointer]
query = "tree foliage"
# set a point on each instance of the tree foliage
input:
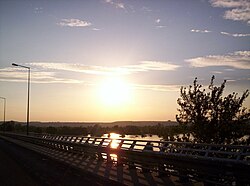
(212, 117)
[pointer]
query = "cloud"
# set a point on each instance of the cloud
(161, 26)
(238, 60)
(230, 79)
(146, 9)
(74, 23)
(120, 5)
(143, 66)
(216, 72)
(235, 35)
(152, 66)
(224, 33)
(115, 4)
(20, 75)
(38, 10)
(239, 9)
(200, 31)
(158, 20)
(228, 3)
(164, 88)
(92, 69)
(229, 69)
(52, 73)
(96, 29)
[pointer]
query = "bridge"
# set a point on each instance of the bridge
(143, 162)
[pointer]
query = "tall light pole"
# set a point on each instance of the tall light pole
(28, 102)
(4, 109)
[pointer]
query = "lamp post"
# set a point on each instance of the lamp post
(4, 109)
(28, 101)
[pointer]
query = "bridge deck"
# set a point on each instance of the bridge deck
(10, 169)
(119, 174)
(21, 166)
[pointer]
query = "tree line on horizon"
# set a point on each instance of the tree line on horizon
(97, 129)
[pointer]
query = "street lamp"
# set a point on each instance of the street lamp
(4, 109)
(28, 103)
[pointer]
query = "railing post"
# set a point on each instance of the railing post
(100, 149)
(148, 148)
(119, 160)
(81, 139)
(208, 150)
(161, 166)
(239, 154)
(131, 164)
(183, 177)
(108, 152)
(87, 140)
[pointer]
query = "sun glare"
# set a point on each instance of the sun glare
(114, 143)
(114, 91)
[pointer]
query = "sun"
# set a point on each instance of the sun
(114, 91)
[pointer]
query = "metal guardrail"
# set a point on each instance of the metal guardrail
(198, 161)
(239, 154)
(105, 146)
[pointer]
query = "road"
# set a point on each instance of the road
(20, 166)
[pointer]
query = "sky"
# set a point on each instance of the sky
(114, 60)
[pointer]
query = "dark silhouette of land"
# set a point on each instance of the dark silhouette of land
(103, 124)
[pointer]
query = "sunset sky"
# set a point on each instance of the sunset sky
(112, 60)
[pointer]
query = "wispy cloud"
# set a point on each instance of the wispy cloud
(229, 79)
(239, 60)
(88, 69)
(200, 31)
(116, 4)
(96, 29)
(38, 10)
(152, 66)
(74, 23)
(158, 23)
(165, 88)
(223, 33)
(161, 26)
(146, 9)
(158, 20)
(52, 73)
(216, 72)
(143, 66)
(20, 75)
(235, 35)
(239, 9)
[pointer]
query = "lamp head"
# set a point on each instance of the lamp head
(14, 64)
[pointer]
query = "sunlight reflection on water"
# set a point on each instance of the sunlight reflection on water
(140, 145)
(116, 139)
(114, 143)
(113, 157)
(132, 137)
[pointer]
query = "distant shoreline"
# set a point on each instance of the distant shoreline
(104, 124)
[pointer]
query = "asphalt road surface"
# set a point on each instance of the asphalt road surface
(19, 166)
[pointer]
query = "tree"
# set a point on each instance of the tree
(211, 117)
(50, 130)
